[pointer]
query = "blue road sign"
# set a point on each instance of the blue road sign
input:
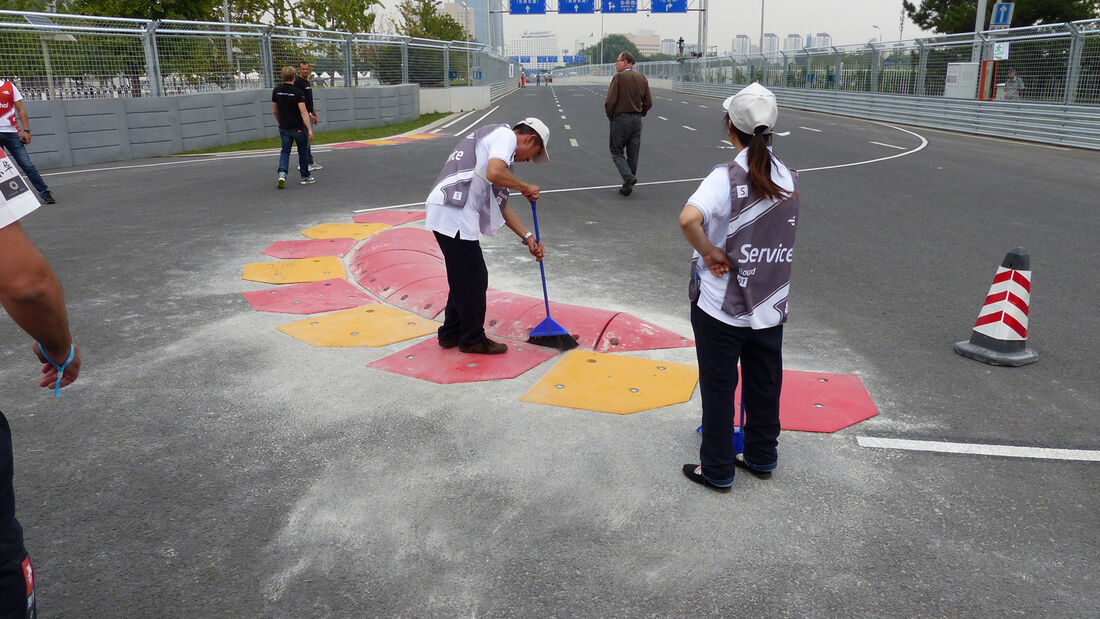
(551, 59)
(528, 7)
(576, 7)
(619, 6)
(668, 6)
(1002, 14)
(567, 59)
(525, 59)
(579, 58)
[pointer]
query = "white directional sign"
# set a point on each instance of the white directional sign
(1002, 15)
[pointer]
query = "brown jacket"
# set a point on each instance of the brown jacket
(628, 93)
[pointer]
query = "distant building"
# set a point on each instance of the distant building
(822, 39)
(465, 18)
(647, 43)
(742, 45)
(668, 46)
(535, 44)
(770, 43)
(792, 42)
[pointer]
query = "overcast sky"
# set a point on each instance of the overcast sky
(848, 21)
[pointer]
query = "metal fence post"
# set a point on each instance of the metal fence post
(351, 79)
(836, 69)
(1073, 62)
(922, 68)
(874, 68)
(267, 63)
(447, 65)
(786, 69)
(152, 61)
(405, 62)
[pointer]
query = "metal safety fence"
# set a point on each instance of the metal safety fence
(1053, 63)
(56, 56)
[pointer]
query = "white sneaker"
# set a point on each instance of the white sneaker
(308, 180)
(316, 166)
(282, 182)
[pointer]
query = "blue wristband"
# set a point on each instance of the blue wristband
(60, 368)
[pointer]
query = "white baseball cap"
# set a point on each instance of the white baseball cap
(753, 107)
(543, 158)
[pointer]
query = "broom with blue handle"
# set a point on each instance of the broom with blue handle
(548, 332)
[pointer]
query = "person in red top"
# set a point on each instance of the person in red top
(14, 137)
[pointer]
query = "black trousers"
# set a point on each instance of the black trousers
(16, 573)
(718, 347)
(626, 134)
(468, 280)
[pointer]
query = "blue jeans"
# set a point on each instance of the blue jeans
(718, 347)
(18, 151)
(301, 138)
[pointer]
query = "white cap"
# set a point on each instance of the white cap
(543, 158)
(753, 107)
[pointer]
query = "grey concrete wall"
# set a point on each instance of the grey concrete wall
(76, 133)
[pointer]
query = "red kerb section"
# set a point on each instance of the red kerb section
(309, 298)
(312, 248)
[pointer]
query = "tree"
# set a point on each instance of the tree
(198, 10)
(345, 16)
(613, 45)
(422, 19)
(951, 16)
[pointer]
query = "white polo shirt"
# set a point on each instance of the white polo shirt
(449, 221)
(7, 107)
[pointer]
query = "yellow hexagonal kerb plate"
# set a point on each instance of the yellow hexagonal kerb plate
(295, 271)
(344, 231)
(613, 383)
(369, 325)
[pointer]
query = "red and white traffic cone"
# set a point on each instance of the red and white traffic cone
(1000, 333)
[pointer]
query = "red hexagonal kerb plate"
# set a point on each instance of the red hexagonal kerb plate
(416, 239)
(310, 248)
(427, 361)
(628, 332)
(393, 218)
(309, 298)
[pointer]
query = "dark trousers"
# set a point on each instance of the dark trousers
(291, 138)
(718, 347)
(18, 152)
(468, 279)
(16, 574)
(626, 134)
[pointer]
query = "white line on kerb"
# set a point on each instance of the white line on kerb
(889, 145)
(811, 129)
(573, 142)
(1007, 451)
(687, 127)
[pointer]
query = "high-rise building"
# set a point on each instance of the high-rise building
(823, 39)
(792, 42)
(741, 45)
(770, 42)
(668, 46)
(535, 44)
(465, 17)
(648, 43)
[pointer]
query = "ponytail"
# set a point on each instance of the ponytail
(760, 162)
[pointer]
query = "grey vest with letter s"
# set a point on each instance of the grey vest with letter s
(759, 246)
(459, 181)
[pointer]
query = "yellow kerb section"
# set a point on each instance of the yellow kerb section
(613, 383)
(344, 231)
(295, 271)
(368, 325)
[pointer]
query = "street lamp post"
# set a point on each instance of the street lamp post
(466, 21)
(761, 26)
(879, 36)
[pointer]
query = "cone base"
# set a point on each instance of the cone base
(993, 357)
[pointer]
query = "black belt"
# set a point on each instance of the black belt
(629, 114)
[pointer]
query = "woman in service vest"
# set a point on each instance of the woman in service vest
(741, 222)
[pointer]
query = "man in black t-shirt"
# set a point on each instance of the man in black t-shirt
(302, 82)
(289, 106)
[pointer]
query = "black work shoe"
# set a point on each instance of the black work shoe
(694, 472)
(448, 342)
(47, 198)
(485, 347)
(626, 189)
(633, 181)
(761, 472)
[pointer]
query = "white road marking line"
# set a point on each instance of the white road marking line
(567, 127)
(811, 129)
(985, 137)
(563, 117)
(662, 118)
(1007, 451)
(727, 142)
(889, 145)
(684, 102)
(477, 121)
(923, 144)
(703, 106)
(457, 119)
(687, 127)
(573, 142)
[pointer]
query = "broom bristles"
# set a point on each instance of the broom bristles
(561, 342)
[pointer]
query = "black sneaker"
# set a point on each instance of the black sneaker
(47, 198)
(485, 347)
(626, 189)
(763, 472)
(447, 342)
(694, 472)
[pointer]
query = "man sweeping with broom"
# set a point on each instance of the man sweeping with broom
(470, 198)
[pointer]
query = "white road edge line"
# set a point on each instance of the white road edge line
(477, 121)
(458, 119)
(889, 145)
(810, 129)
(923, 144)
(1007, 451)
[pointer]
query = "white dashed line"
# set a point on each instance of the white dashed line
(811, 129)
(662, 118)
(889, 145)
(703, 106)
(573, 142)
(567, 127)
(563, 116)
(684, 102)
(1007, 451)
(687, 127)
